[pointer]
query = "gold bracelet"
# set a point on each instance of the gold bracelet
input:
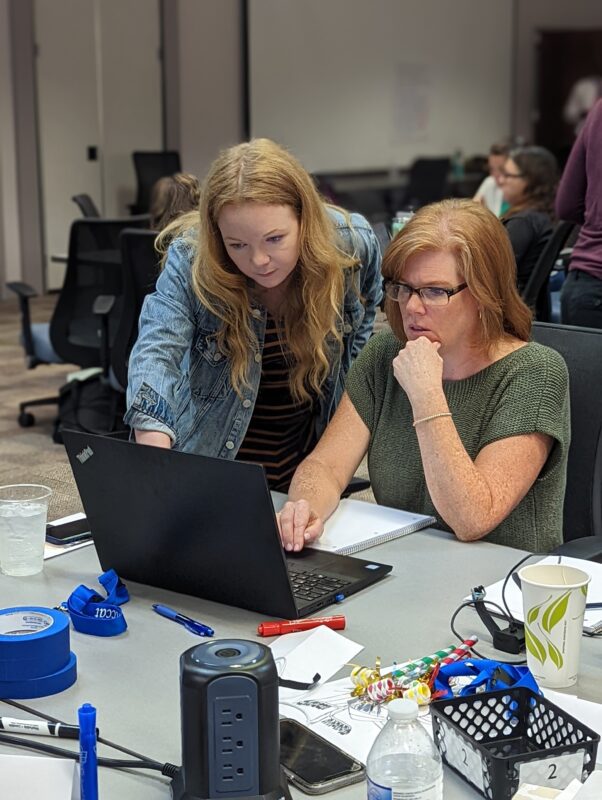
(432, 416)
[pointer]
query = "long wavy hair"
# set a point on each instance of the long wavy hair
(261, 171)
(539, 168)
(483, 253)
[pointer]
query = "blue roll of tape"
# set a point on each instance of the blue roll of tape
(42, 686)
(34, 643)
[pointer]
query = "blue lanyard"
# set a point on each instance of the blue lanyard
(90, 613)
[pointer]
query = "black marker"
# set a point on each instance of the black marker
(39, 727)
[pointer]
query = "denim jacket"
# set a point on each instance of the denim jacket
(179, 382)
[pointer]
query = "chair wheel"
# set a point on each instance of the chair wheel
(26, 420)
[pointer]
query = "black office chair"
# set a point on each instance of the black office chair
(86, 205)
(141, 267)
(374, 204)
(73, 334)
(535, 293)
(150, 166)
(427, 183)
(581, 348)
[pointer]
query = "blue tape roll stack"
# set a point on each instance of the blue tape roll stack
(35, 659)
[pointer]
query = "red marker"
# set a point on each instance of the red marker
(291, 626)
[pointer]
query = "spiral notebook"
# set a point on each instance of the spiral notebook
(357, 525)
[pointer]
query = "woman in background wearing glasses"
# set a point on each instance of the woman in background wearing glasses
(461, 416)
(528, 182)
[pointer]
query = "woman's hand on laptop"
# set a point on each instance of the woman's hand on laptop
(298, 525)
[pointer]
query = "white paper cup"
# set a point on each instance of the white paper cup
(23, 510)
(554, 598)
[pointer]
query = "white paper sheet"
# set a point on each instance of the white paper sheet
(307, 652)
(38, 776)
(333, 713)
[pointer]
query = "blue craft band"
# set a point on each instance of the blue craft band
(34, 642)
(95, 615)
(44, 685)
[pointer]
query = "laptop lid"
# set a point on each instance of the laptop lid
(194, 524)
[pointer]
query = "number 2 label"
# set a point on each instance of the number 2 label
(556, 772)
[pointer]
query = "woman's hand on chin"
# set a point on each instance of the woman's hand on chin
(418, 368)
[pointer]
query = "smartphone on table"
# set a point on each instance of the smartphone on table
(66, 533)
(313, 763)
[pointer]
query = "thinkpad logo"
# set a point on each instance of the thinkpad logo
(85, 454)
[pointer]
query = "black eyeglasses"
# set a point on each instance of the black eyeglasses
(430, 295)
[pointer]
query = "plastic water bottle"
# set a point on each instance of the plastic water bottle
(404, 763)
(457, 164)
(399, 221)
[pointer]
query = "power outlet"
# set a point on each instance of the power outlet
(235, 745)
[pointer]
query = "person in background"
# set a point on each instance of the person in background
(461, 416)
(266, 296)
(584, 94)
(579, 200)
(172, 196)
(528, 183)
(489, 193)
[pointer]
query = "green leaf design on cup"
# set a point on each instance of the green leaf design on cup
(584, 590)
(555, 612)
(534, 646)
(533, 613)
(555, 655)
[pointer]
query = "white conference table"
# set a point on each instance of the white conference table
(133, 679)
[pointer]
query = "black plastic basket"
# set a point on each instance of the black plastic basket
(498, 740)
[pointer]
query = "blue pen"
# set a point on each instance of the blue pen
(88, 766)
(190, 624)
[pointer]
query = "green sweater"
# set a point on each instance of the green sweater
(524, 392)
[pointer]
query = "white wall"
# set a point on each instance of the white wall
(10, 249)
(130, 80)
(534, 15)
(210, 80)
(349, 84)
(98, 84)
(331, 78)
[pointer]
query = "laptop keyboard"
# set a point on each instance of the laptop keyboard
(312, 585)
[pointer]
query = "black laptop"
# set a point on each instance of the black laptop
(202, 526)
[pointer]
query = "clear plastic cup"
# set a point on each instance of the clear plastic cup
(23, 511)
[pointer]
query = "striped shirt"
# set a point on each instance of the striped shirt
(281, 431)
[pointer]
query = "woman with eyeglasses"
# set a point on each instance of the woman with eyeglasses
(528, 182)
(461, 416)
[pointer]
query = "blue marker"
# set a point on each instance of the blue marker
(88, 766)
(191, 625)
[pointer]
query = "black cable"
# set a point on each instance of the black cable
(115, 763)
(100, 739)
(144, 762)
(509, 574)
(471, 603)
